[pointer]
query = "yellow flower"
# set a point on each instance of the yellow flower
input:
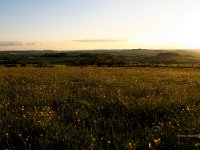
(157, 141)
(131, 145)
(199, 136)
(150, 146)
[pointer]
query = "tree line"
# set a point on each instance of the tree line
(98, 59)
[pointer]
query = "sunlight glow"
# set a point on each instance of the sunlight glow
(182, 33)
(186, 30)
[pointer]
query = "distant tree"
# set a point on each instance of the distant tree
(10, 65)
(168, 55)
(99, 64)
(39, 65)
(23, 65)
(54, 55)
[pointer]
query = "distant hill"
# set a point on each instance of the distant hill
(122, 52)
(123, 57)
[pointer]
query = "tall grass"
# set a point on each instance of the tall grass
(99, 108)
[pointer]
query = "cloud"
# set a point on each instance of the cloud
(19, 43)
(32, 44)
(100, 40)
(11, 43)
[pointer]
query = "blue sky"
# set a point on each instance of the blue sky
(98, 24)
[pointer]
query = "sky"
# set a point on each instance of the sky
(99, 24)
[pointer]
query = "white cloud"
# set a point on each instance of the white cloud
(19, 43)
(100, 40)
(11, 43)
(32, 44)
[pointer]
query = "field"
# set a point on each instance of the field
(99, 108)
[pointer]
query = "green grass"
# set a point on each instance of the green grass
(99, 108)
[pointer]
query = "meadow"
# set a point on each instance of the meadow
(99, 108)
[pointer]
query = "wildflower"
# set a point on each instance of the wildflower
(41, 114)
(188, 109)
(150, 146)
(157, 141)
(197, 144)
(131, 145)
(199, 136)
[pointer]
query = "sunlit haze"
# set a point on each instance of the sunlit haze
(99, 24)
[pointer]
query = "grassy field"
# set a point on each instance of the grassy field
(99, 108)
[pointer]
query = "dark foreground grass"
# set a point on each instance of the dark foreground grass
(99, 108)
